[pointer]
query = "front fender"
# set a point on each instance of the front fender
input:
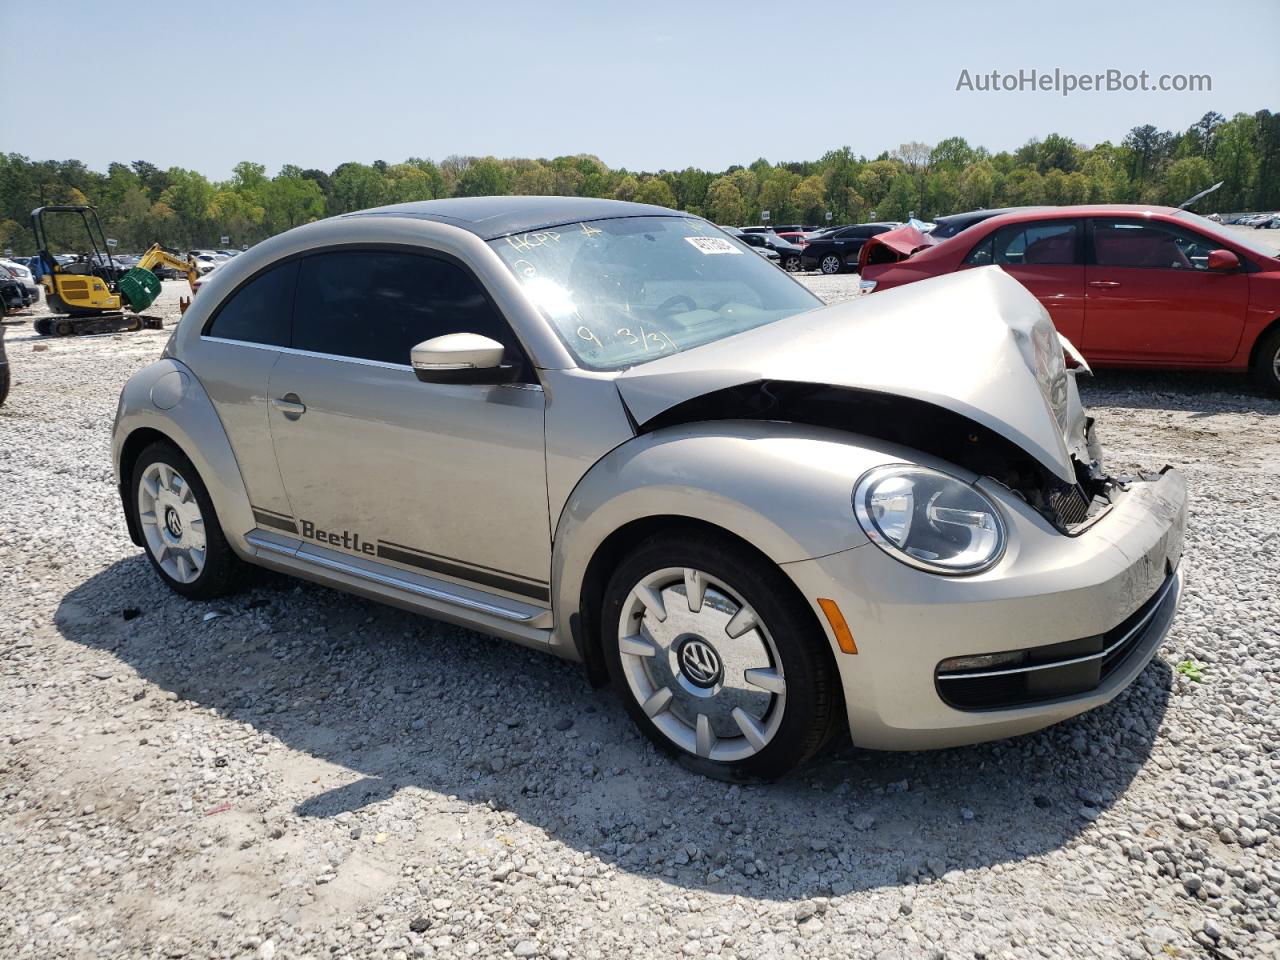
(785, 488)
(167, 398)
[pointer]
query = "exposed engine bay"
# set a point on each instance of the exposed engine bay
(922, 426)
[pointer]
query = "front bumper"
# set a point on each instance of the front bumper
(1048, 589)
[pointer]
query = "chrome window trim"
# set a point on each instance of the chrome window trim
(1159, 597)
(309, 353)
(397, 583)
(383, 364)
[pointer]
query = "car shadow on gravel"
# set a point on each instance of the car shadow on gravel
(1188, 391)
(391, 712)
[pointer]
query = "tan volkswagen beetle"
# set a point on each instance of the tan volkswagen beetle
(612, 432)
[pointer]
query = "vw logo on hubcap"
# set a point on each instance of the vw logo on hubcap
(699, 662)
(173, 522)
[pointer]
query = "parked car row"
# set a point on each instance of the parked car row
(1259, 221)
(15, 274)
(13, 295)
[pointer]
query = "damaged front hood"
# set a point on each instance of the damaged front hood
(963, 342)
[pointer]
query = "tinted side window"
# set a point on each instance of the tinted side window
(981, 254)
(261, 310)
(1046, 242)
(1149, 243)
(377, 305)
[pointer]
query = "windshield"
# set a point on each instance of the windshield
(629, 290)
(1238, 237)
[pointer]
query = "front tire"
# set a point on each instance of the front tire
(717, 659)
(1266, 364)
(831, 264)
(791, 264)
(179, 527)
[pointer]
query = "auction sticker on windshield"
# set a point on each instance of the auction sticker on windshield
(710, 245)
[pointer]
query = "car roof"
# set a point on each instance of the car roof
(492, 217)
(1012, 214)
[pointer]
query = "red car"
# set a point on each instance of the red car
(1130, 286)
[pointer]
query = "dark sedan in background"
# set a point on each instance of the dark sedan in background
(789, 254)
(838, 250)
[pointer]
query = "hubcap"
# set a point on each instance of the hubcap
(793, 264)
(1275, 365)
(831, 265)
(171, 522)
(701, 664)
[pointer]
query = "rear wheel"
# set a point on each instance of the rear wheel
(180, 529)
(717, 659)
(1266, 364)
(63, 328)
(831, 264)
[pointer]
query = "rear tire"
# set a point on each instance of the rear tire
(831, 264)
(180, 530)
(742, 708)
(1266, 364)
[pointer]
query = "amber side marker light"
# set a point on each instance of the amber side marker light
(844, 636)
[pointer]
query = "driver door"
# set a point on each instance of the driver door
(448, 480)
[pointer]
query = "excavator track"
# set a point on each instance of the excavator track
(103, 323)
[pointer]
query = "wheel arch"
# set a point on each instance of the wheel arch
(781, 491)
(130, 450)
(1263, 334)
(190, 423)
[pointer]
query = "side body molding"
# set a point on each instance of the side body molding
(188, 419)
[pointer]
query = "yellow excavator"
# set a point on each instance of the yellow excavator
(94, 294)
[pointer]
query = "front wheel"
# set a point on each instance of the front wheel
(1266, 364)
(791, 264)
(717, 660)
(831, 264)
(180, 530)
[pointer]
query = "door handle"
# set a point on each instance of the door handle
(290, 405)
(1104, 284)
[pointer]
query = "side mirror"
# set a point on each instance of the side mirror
(1223, 260)
(460, 358)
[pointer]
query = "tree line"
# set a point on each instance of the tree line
(139, 203)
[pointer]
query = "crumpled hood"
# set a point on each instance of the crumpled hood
(965, 342)
(903, 242)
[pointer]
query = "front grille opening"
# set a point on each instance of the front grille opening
(1055, 671)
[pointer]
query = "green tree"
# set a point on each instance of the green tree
(484, 178)
(626, 188)
(808, 199)
(292, 201)
(355, 186)
(724, 203)
(953, 154)
(657, 191)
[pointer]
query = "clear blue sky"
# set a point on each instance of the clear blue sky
(646, 85)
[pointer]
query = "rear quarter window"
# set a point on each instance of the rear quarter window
(261, 311)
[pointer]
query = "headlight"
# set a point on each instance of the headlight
(928, 519)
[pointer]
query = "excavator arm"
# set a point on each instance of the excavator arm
(159, 255)
(141, 294)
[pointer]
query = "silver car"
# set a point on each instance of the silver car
(610, 431)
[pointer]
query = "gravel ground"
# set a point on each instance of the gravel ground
(294, 772)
